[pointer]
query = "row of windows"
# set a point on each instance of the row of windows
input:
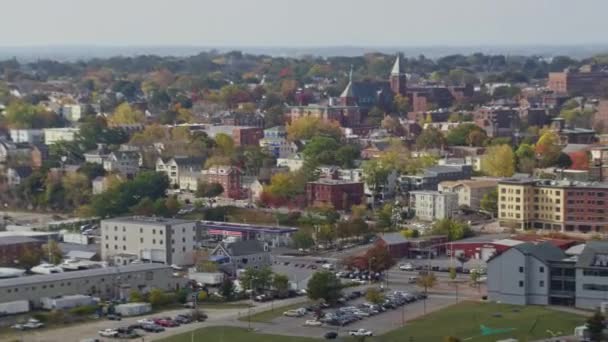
(581, 193)
(595, 287)
(595, 273)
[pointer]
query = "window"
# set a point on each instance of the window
(521, 269)
(541, 269)
(141, 240)
(541, 283)
(153, 241)
(153, 231)
(149, 275)
(521, 283)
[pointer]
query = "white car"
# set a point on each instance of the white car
(406, 267)
(295, 313)
(145, 321)
(360, 332)
(30, 324)
(108, 333)
(313, 323)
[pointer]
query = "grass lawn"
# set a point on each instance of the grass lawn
(463, 321)
(232, 334)
(268, 315)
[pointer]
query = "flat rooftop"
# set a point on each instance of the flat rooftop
(243, 227)
(148, 220)
(37, 279)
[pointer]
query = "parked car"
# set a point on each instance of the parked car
(330, 335)
(113, 317)
(406, 267)
(360, 332)
(313, 323)
(295, 313)
(145, 321)
(152, 328)
(30, 324)
(108, 333)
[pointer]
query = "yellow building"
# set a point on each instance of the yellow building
(528, 203)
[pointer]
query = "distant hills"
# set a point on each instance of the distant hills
(79, 52)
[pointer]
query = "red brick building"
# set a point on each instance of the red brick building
(586, 209)
(13, 247)
(229, 177)
(586, 81)
(341, 194)
(247, 136)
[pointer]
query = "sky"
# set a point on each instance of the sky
(303, 22)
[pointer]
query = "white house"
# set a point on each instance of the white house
(54, 135)
(30, 136)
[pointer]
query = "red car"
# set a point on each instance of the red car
(167, 323)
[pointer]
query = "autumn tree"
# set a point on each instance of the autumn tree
(305, 128)
(499, 161)
(124, 114)
(401, 104)
(374, 296)
(548, 148)
(580, 160)
(53, 252)
(489, 202)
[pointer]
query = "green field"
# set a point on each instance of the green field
(232, 334)
(463, 321)
(268, 315)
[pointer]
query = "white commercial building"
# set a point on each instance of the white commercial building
(154, 239)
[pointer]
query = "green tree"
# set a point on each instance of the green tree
(563, 161)
(464, 135)
(280, 283)
(227, 288)
(454, 230)
(225, 144)
(346, 155)
(384, 217)
(256, 279)
(401, 104)
(136, 297)
(302, 239)
(426, 281)
(489, 202)
(375, 175)
(321, 150)
(374, 296)
(596, 326)
(324, 285)
(499, 161)
(157, 297)
(430, 137)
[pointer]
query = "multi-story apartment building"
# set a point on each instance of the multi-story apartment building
(497, 121)
(585, 81)
(341, 194)
(247, 136)
(470, 192)
(553, 205)
(433, 205)
(182, 171)
(126, 163)
(168, 241)
(229, 177)
(542, 274)
(14, 247)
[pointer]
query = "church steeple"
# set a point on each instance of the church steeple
(397, 78)
(347, 98)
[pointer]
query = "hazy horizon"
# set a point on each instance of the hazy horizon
(314, 23)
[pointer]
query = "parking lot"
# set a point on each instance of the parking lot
(378, 324)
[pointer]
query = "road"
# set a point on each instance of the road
(90, 330)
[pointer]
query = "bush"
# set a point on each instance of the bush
(83, 310)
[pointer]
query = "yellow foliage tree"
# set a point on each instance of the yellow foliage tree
(126, 115)
(499, 161)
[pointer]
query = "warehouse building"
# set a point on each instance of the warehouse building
(106, 283)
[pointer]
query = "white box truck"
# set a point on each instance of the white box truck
(66, 302)
(16, 307)
(133, 309)
(206, 278)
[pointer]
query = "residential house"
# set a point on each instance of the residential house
(16, 175)
(430, 178)
(29, 136)
(181, 170)
(54, 135)
(126, 163)
(244, 254)
(293, 162)
(14, 152)
(470, 192)
(71, 112)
